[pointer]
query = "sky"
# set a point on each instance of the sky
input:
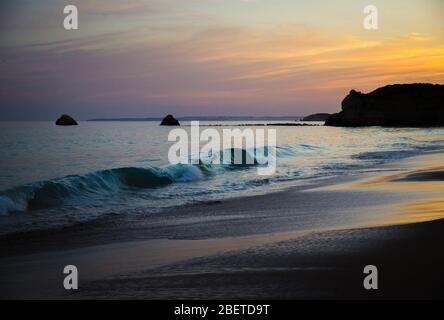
(143, 58)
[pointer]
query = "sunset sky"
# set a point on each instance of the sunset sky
(209, 57)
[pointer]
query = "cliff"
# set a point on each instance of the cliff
(399, 105)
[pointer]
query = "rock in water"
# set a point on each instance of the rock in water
(316, 117)
(399, 105)
(169, 120)
(66, 120)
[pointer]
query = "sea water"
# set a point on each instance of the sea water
(52, 176)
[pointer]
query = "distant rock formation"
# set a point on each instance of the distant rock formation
(399, 105)
(316, 117)
(66, 120)
(169, 120)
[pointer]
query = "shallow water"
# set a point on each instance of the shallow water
(54, 176)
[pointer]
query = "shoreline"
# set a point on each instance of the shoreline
(128, 254)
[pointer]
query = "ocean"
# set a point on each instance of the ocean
(56, 177)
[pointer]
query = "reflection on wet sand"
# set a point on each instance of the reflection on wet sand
(427, 184)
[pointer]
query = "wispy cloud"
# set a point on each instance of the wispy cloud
(209, 67)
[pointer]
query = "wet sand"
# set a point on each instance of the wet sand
(254, 247)
(326, 265)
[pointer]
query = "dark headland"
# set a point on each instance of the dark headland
(399, 105)
(316, 117)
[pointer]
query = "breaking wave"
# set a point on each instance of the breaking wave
(81, 188)
(56, 192)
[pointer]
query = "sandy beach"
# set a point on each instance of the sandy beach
(253, 247)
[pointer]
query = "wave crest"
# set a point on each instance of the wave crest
(51, 193)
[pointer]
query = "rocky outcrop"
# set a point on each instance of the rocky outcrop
(316, 117)
(399, 105)
(66, 120)
(169, 120)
